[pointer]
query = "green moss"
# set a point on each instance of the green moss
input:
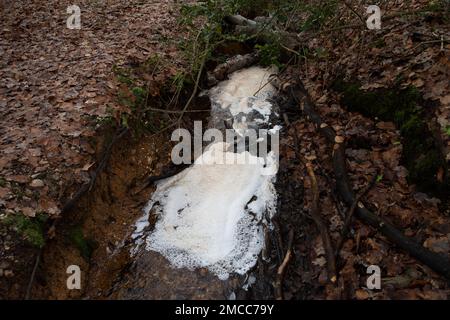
(84, 245)
(396, 105)
(421, 156)
(269, 54)
(123, 75)
(318, 14)
(140, 95)
(447, 130)
(32, 229)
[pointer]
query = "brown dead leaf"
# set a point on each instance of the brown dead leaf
(4, 192)
(441, 244)
(361, 294)
(29, 212)
(18, 178)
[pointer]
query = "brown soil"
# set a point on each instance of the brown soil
(106, 216)
(56, 87)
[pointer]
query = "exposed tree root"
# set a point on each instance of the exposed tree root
(323, 229)
(349, 215)
(167, 173)
(33, 274)
(438, 262)
(233, 64)
(263, 31)
(70, 204)
(103, 161)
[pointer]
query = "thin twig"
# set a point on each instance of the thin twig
(357, 25)
(354, 11)
(440, 41)
(282, 268)
(173, 111)
(350, 213)
(33, 274)
(194, 92)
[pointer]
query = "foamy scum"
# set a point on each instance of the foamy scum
(212, 214)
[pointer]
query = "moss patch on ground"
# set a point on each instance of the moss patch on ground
(31, 229)
(421, 155)
(84, 245)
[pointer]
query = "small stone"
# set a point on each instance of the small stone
(37, 183)
(339, 139)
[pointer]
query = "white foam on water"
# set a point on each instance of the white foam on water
(246, 90)
(213, 213)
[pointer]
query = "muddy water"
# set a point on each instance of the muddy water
(121, 268)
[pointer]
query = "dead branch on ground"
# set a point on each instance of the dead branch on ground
(349, 215)
(233, 64)
(282, 268)
(323, 229)
(103, 161)
(436, 261)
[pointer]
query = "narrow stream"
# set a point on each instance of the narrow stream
(214, 213)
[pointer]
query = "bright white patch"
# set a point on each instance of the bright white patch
(247, 90)
(213, 213)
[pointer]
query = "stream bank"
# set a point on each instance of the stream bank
(96, 235)
(111, 273)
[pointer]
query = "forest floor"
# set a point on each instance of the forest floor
(405, 52)
(59, 90)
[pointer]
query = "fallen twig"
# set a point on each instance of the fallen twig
(282, 268)
(196, 85)
(239, 20)
(349, 215)
(174, 111)
(33, 274)
(104, 159)
(291, 40)
(354, 11)
(233, 64)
